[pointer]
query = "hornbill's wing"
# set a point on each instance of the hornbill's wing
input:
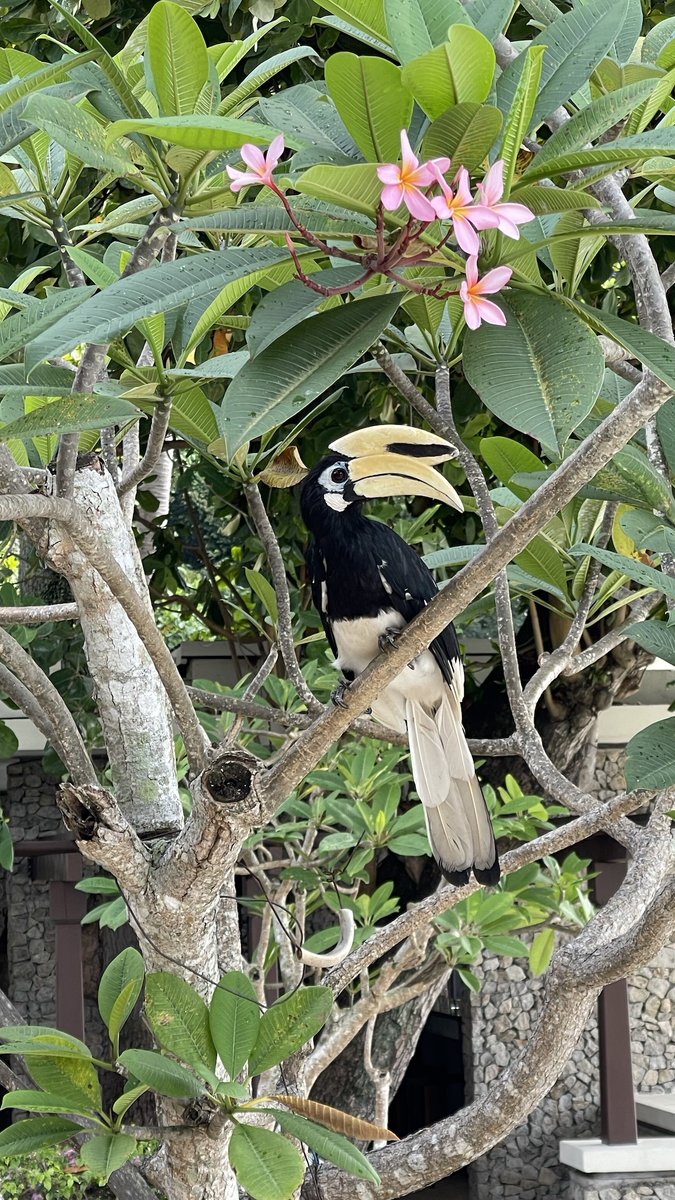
(317, 577)
(412, 587)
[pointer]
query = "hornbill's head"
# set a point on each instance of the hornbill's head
(382, 461)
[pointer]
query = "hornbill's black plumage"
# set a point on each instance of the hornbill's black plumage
(367, 583)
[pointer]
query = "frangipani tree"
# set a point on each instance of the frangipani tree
(537, 158)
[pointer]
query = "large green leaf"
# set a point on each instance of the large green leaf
(575, 43)
(226, 55)
(288, 1025)
(34, 1133)
(177, 58)
(520, 113)
(541, 559)
(68, 1077)
(490, 16)
(162, 1074)
(595, 119)
(307, 116)
(107, 1152)
(329, 1145)
(640, 572)
(17, 89)
(126, 968)
(459, 70)
(179, 1019)
(267, 1166)
(298, 367)
(506, 457)
(373, 102)
(543, 200)
(356, 187)
(50, 1102)
(650, 756)
(234, 1018)
(79, 133)
(649, 349)
(326, 220)
(203, 133)
(15, 331)
(236, 99)
(466, 132)
(539, 374)
(656, 637)
(416, 26)
(68, 415)
(625, 151)
(367, 15)
(541, 951)
(159, 289)
(107, 64)
(286, 306)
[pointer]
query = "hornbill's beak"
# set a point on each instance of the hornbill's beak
(397, 460)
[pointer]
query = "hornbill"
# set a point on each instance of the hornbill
(367, 583)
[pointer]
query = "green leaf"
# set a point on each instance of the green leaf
(490, 16)
(256, 78)
(6, 845)
(106, 1152)
(623, 152)
(650, 756)
(594, 120)
(465, 133)
(79, 133)
(373, 102)
(311, 118)
(541, 559)
(162, 1074)
(575, 43)
(34, 1133)
(298, 367)
(9, 742)
(326, 220)
(286, 306)
(159, 289)
(179, 1019)
(15, 331)
(541, 951)
(472, 981)
(649, 349)
(288, 1025)
(333, 1147)
(640, 572)
(419, 25)
(203, 133)
(657, 39)
(656, 637)
(500, 943)
(42, 1035)
(69, 1077)
(32, 1101)
(265, 593)
(68, 415)
(459, 70)
(267, 1166)
(543, 200)
(125, 968)
(234, 1018)
(520, 112)
(125, 1101)
(367, 15)
(506, 458)
(15, 89)
(103, 60)
(226, 55)
(177, 58)
(539, 374)
(357, 188)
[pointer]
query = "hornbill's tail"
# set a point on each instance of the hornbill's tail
(457, 818)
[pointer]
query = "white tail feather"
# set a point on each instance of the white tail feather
(457, 819)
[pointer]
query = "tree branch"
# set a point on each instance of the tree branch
(57, 718)
(37, 614)
(285, 624)
(153, 450)
(122, 588)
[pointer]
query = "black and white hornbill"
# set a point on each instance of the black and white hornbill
(367, 583)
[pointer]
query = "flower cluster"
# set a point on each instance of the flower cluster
(423, 189)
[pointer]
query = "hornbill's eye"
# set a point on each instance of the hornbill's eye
(339, 475)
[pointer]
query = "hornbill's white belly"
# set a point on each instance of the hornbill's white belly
(357, 644)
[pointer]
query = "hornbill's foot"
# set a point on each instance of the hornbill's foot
(338, 695)
(389, 638)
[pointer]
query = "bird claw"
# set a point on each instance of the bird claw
(388, 639)
(338, 695)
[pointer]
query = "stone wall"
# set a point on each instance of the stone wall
(498, 1021)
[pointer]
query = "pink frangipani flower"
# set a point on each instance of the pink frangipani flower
(403, 183)
(460, 208)
(473, 291)
(261, 165)
(509, 215)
